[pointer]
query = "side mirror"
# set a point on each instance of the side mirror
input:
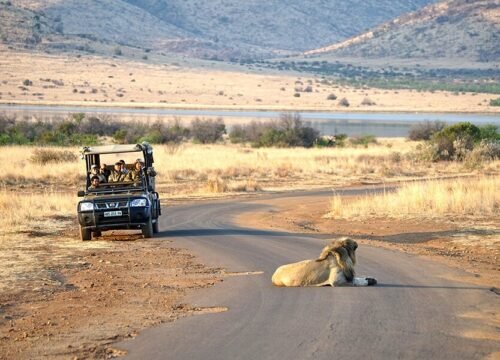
(80, 193)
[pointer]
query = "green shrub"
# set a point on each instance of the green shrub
(495, 102)
(453, 141)
(489, 132)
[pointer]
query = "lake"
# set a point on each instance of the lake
(350, 123)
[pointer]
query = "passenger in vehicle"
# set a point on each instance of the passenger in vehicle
(94, 182)
(136, 174)
(94, 171)
(116, 173)
(105, 171)
(124, 167)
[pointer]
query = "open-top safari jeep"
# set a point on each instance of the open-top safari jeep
(119, 205)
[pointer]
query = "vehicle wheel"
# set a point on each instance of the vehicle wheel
(97, 233)
(156, 227)
(147, 230)
(85, 234)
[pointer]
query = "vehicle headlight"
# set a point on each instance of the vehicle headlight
(86, 206)
(139, 203)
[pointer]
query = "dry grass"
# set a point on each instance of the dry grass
(192, 168)
(450, 199)
(117, 82)
(35, 212)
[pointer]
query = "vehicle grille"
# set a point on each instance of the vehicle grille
(111, 205)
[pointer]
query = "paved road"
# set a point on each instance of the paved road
(414, 312)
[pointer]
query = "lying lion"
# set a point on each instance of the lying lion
(334, 267)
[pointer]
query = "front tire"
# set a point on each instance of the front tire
(156, 227)
(85, 234)
(147, 230)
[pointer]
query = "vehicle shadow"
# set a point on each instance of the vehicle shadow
(227, 232)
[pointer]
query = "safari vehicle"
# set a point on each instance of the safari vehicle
(119, 205)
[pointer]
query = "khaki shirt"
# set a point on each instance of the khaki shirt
(117, 176)
(135, 175)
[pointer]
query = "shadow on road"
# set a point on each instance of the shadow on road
(432, 287)
(228, 232)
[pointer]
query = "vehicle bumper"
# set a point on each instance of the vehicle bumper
(131, 218)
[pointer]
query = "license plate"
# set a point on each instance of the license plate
(112, 213)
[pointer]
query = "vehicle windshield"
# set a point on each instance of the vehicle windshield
(116, 172)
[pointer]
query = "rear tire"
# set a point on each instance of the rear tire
(147, 230)
(85, 234)
(98, 234)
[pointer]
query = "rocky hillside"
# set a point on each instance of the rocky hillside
(218, 28)
(453, 29)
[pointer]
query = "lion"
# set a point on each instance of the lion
(334, 267)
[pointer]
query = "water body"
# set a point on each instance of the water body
(350, 123)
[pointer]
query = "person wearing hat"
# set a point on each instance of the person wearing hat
(94, 171)
(116, 174)
(94, 182)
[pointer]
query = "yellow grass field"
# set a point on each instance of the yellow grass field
(443, 199)
(94, 81)
(48, 192)
(189, 168)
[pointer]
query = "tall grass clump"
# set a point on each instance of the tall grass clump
(436, 199)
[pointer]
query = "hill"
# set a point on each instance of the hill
(453, 29)
(219, 28)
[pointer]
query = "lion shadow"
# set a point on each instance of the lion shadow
(410, 286)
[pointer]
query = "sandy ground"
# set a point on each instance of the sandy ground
(69, 299)
(94, 81)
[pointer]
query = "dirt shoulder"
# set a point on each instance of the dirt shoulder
(73, 299)
(472, 247)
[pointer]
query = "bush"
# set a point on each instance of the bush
(495, 102)
(331, 97)
(27, 82)
(453, 141)
(424, 130)
(288, 130)
(117, 51)
(367, 102)
(485, 151)
(45, 156)
(364, 140)
(344, 102)
(207, 131)
(489, 132)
